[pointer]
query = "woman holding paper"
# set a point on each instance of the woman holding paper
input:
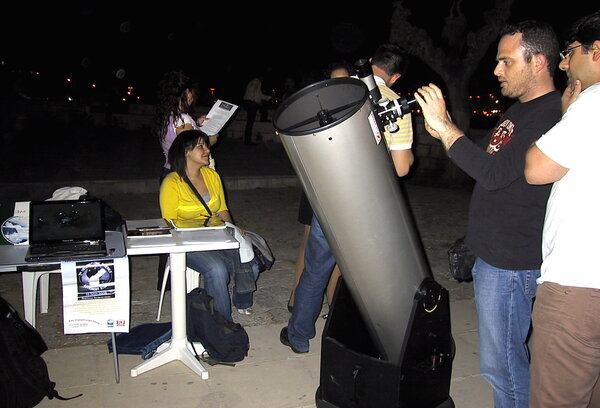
(176, 98)
(189, 157)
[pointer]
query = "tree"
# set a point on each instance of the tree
(458, 52)
(454, 56)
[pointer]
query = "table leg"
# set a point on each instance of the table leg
(178, 347)
(29, 293)
(115, 357)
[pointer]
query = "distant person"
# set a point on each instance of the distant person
(506, 213)
(388, 66)
(253, 102)
(565, 345)
(174, 109)
(189, 157)
(305, 212)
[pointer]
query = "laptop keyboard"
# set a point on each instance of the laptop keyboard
(67, 249)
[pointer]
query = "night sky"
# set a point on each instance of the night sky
(220, 44)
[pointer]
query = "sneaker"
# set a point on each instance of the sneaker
(247, 311)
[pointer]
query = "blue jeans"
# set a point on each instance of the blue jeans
(217, 268)
(504, 300)
(308, 296)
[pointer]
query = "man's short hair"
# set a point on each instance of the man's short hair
(538, 38)
(390, 59)
(586, 30)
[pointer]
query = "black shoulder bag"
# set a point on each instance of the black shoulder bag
(461, 261)
(210, 214)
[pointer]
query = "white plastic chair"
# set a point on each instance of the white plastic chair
(192, 281)
(31, 280)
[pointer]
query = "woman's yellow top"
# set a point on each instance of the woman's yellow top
(179, 202)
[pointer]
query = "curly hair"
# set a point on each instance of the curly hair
(172, 99)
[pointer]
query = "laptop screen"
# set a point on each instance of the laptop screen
(65, 221)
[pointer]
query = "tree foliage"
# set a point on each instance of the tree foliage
(458, 51)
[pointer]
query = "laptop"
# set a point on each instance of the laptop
(63, 230)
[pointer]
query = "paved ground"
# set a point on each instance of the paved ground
(79, 363)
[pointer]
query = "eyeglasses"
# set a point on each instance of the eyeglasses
(566, 53)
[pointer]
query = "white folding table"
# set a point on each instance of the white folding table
(177, 245)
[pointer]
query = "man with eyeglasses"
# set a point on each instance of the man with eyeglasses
(506, 214)
(565, 365)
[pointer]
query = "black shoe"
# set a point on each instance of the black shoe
(250, 144)
(283, 338)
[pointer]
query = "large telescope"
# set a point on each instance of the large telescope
(389, 315)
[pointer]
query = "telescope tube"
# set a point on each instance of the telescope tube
(332, 138)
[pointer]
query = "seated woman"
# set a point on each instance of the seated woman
(189, 157)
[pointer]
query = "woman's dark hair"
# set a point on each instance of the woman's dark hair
(183, 143)
(172, 99)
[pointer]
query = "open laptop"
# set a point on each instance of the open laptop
(66, 230)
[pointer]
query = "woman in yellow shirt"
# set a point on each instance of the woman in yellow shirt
(189, 157)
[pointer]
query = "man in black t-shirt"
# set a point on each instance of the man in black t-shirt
(506, 214)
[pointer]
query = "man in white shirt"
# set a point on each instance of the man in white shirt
(565, 366)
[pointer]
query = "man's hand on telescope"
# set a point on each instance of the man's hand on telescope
(437, 119)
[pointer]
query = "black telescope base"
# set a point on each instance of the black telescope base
(355, 375)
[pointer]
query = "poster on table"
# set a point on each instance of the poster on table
(96, 296)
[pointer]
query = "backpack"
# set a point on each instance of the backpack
(24, 380)
(223, 340)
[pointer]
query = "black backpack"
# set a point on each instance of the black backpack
(24, 379)
(224, 341)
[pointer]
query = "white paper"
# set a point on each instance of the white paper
(96, 296)
(195, 225)
(218, 115)
(246, 251)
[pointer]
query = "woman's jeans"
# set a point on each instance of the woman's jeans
(504, 301)
(217, 268)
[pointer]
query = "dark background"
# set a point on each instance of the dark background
(222, 44)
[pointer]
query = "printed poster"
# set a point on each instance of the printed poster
(96, 296)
